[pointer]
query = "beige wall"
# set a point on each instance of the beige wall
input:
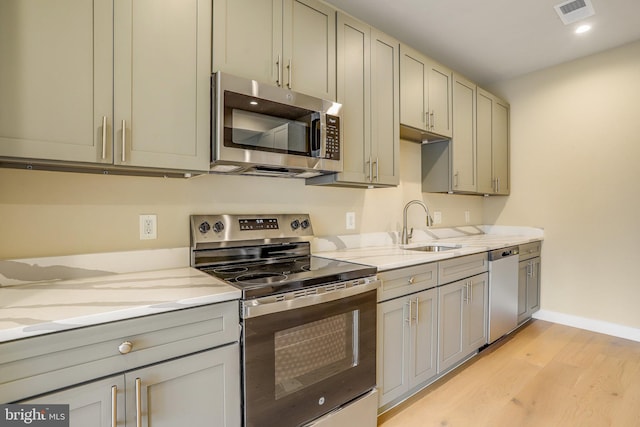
(575, 169)
(54, 213)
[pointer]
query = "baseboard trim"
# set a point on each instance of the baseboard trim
(593, 325)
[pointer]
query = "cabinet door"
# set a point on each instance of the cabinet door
(451, 301)
(392, 346)
(500, 146)
(385, 115)
(162, 79)
(55, 79)
(354, 93)
(91, 404)
(484, 136)
(533, 287)
(247, 38)
(424, 332)
(464, 138)
(439, 99)
(476, 313)
(309, 48)
(413, 84)
(203, 389)
(523, 276)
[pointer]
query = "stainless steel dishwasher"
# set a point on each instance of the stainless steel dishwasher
(503, 292)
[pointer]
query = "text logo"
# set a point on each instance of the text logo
(34, 415)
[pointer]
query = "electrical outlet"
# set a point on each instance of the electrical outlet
(467, 217)
(148, 227)
(351, 221)
(437, 217)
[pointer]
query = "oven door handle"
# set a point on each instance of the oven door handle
(269, 305)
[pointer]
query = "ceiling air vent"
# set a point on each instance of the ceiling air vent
(574, 11)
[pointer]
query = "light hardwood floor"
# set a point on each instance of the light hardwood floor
(545, 375)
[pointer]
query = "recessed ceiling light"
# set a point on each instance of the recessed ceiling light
(583, 29)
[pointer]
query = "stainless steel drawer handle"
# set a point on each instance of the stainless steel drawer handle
(104, 137)
(114, 406)
(125, 347)
(138, 402)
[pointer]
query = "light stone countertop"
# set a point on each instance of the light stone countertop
(51, 306)
(383, 250)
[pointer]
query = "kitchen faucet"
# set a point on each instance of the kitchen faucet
(406, 236)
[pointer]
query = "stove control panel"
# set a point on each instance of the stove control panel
(237, 228)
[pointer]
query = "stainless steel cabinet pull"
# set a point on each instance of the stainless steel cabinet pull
(125, 347)
(104, 137)
(289, 69)
(432, 121)
(124, 140)
(377, 177)
(412, 280)
(370, 177)
(455, 179)
(279, 72)
(138, 402)
(408, 319)
(114, 406)
(471, 291)
(497, 185)
(426, 119)
(417, 310)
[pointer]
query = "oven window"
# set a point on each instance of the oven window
(263, 125)
(313, 352)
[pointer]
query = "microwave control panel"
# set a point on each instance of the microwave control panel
(333, 137)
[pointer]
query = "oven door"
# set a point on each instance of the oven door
(302, 362)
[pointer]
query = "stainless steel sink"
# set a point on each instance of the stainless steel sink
(432, 248)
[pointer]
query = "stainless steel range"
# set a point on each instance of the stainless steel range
(308, 323)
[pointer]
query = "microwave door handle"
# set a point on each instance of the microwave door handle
(315, 136)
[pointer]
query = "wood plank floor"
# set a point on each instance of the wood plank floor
(544, 375)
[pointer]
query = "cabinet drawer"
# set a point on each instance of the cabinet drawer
(530, 250)
(40, 364)
(458, 268)
(408, 280)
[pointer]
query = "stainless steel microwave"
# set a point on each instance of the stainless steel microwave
(259, 129)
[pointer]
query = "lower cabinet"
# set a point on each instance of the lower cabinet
(528, 288)
(462, 319)
(407, 345)
(202, 389)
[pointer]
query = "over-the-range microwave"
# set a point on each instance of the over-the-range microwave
(260, 129)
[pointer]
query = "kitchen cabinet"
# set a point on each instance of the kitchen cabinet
(529, 280)
(449, 166)
(161, 394)
(368, 89)
(407, 344)
(492, 139)
(179, 362)
(109, 95)
(288, 43)
(462, 319)
(425, 85)
(464, 135)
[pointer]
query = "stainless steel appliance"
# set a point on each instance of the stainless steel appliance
(503, 292)
(308, 323)
(259, 129)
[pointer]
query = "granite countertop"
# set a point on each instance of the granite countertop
(383, 250)
(51, 306)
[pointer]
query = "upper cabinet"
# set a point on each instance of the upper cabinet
(161, 87)
(492, 138)
(368, 89)
(425, 93)
(288, 43)
(121, 83)
(463, 156)
(56, 78)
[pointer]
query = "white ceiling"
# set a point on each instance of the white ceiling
(494, 40)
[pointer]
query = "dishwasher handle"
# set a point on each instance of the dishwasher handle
(503, 253)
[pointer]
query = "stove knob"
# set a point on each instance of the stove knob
(218, 226)
(295, 224)
(305, 223)
(204, 227)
